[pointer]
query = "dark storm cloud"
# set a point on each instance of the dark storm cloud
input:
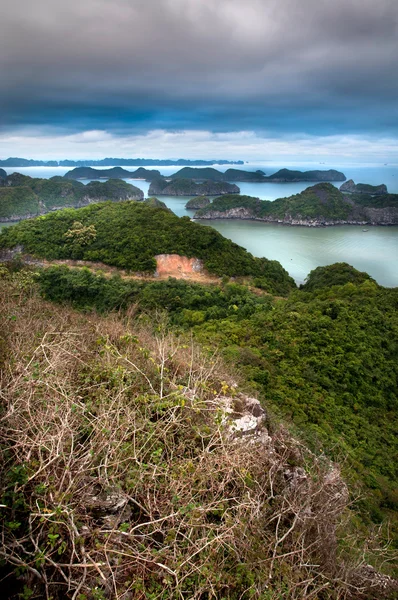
(310, 66)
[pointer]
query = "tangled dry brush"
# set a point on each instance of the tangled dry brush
(133, 468)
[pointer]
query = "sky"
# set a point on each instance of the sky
(250, 80)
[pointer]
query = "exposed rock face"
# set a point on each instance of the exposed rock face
(363, 188)
(196, 203)
(244, 420)
(366, 216)
(25, 197)
(174, 265)
(320, 205)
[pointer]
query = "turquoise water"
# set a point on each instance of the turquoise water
(298, 249)
(301, 249)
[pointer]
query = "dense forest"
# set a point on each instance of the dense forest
(22, 196)
(143, 231)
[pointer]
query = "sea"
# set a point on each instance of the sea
(299, 249)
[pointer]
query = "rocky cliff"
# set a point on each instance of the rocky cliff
(197, 203)
(320, 205)
(363, 188)
(24, 197)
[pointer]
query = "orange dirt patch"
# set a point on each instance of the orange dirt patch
(168, 265)
(174, 265)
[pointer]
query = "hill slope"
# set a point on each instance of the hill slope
(126, 462)
(129, 235)
(22, 197)
(321, 204)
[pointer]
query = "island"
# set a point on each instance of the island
(196, 203)
(16, 162)
(188, 187)
(114, 173)
(320, 205)
(23, 197)
(3, 174)
(363, 188)
(210, 174)
(289, 176)
(281, 176)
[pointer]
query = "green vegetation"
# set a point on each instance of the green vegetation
(155, 203)
(210, 174)
(15, 202)
(321, 202)
(286, 175)
(124, 472)
(326, 358)
(378, 201)
(25, 196)
(336, 274)
(204, 174)
(363, 188)
(129, 235)
(196, 203)
(123, 475)
(114, 173)
(188, 187)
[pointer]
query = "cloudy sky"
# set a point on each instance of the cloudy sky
(248, 79)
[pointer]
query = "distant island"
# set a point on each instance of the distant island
(23, 197)
(188, 187)
(281, 176)
(197, 203)
(111, 162)
(113, 173)
(363, 188)
(208, 174)
(319, 205)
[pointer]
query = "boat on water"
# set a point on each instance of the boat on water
(365, 229)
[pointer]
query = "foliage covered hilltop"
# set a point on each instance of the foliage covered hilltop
(129, 235)
(22, 196)
(321, 204)
(281, 176)
(125, 473)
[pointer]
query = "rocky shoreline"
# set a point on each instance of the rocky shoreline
(382, 217)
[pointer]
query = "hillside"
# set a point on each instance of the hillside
(288, 175)
(188, 187)
(281, 176)
(210, 174)
(363, 188)
(129, 235)
(114, 173)
(172, 479)
(23, 197)
(321, 204)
